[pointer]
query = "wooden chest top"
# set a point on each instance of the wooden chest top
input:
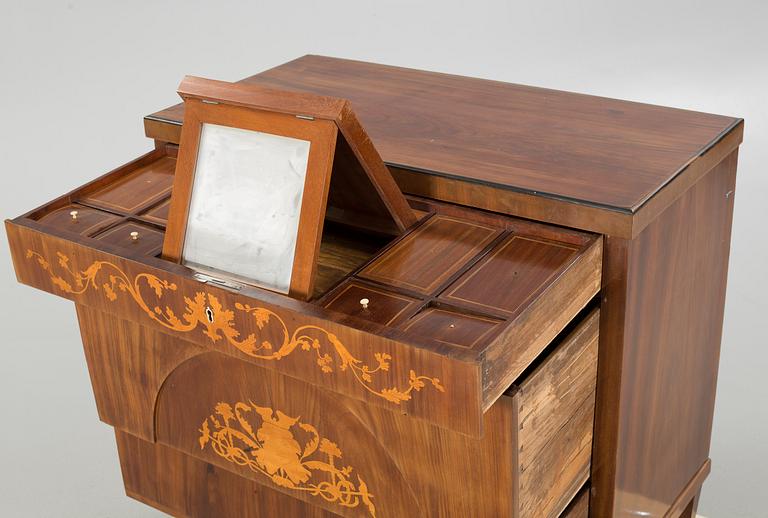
(605, 153)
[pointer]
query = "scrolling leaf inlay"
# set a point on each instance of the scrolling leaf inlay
(205, 309)
(287, 451)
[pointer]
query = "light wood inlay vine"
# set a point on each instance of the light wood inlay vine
(287, 451)
(205, 309)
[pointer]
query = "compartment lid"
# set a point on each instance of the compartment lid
(259, 171)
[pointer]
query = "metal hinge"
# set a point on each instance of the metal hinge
(225, 283)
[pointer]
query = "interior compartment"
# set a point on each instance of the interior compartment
(343, 250)
(138, 238)
(82, 220)
(452, 327)
(137, 190)
(426, 258)
(370, 302)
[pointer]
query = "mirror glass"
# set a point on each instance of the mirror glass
(245, 205)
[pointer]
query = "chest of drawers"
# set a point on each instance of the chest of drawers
(541, 340)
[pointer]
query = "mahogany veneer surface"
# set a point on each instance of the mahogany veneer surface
(159, 213)
(383, 306)
(511, 273)
(604, 152)
(429, 255)
(87, 220)
(149, 240)
(142, 188)
(451, 327)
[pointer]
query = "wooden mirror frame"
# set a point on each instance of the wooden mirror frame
(202, 109)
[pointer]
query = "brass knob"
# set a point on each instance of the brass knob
(364, 303)
(135, 236)
(73, 213)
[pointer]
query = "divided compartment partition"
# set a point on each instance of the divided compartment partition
(158, 214)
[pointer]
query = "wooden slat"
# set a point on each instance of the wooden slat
(556, 413)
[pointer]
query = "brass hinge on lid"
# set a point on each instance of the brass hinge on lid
(224, 283)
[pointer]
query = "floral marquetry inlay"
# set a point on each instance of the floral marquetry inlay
(218, 322)
(292, 454)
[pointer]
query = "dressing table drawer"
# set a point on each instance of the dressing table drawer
(292, 438)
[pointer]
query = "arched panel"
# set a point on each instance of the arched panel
(282, 433)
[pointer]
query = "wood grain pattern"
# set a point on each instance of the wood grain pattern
(383, 307)
(427, 257)
(147, 242)
(142, 188)
(619, 224)
(127, 364)
(105, 180)
(159, 213)
(509, 276)
(571, 146)
(542, 320)
(291, 436)
(415, 462)
(262, 327)
(556, 417)
(662, 330)
(184, 486)
(657, 182)
(87, 221)
(451, 327)
(579, 506)
(343, 249)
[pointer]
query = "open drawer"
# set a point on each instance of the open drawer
(474, 297)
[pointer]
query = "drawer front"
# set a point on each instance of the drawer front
(298, 339)
(353, 459)
(329, 451)
(426, 345)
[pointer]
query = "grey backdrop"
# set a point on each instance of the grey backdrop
(76, 78)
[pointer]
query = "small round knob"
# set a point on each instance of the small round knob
(73, 213)
(134, 236)
(452, 326)
(364, 303)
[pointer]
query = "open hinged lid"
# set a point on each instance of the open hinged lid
(259, 171)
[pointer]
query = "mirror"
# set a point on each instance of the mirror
(245, 205)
